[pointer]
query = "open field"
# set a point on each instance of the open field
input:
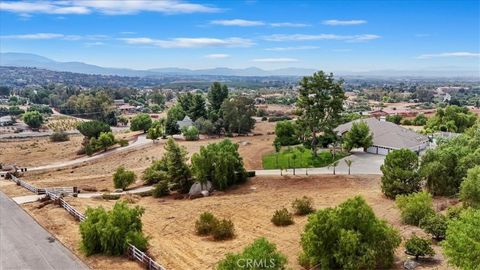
(170, 222)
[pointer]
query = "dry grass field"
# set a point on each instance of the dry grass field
(170, 222)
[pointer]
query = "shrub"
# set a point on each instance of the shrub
(123, 178)
(418, 247)
(223, 230)
(190, 133)
(436, 225)
(33, 119)
(453, 212)
(161, 189)
(358, 136)
(109, 196)
(349, 237)
(463, 239)
(400, 174)
(285, 132)
(205, 223)
(415, 207)
(279, 118)
(105, 140)
(470, 188)
(304, 261)
(123, 142)
(303, 206)
(110, 232)
(59, 136)
(156, 172)
(261, 254)
(282, 217)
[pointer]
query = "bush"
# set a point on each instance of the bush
(123, 178)
(418, 247)
(110, 232)
(470, 188)
(453, 212)
(282, 217)
(260, 255)
(415, 207)
(400, 174)
(348, 237)
(463, 239)
(436, 225)
(161, 189)
(223, 230)
(303, 206)
(190, 133)
(286, 134)
(33, 119)
(59, 136)
(279, 118)
(205, 223)
(123, 142)
(109, 196)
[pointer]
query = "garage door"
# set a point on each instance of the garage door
(372, 149)
(382, 151)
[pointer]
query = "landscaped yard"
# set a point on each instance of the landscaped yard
(299, 157)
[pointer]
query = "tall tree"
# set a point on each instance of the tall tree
(216, 95)
(237, 114)
(400, 173)
(197, 108)
(358, 136)
(141, 121)
(178, 171)
(320, 102)
(176, 113)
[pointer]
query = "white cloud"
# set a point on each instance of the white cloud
(190, 42)
(93, 44)
(217, 56)
(289, 24)
(343, 22)
(303, 37)
(237, 22)
(110, 7)
(293, 48)
(275, 60)
(43, 36)
(449, 54)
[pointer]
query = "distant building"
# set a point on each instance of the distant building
(186, 122)
(119, 102)
(388, 136)
(126, 108)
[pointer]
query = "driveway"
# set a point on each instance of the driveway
(26, 245)
(362, 163)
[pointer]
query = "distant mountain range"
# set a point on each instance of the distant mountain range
(33, 60)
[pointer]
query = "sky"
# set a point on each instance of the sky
(328, 35)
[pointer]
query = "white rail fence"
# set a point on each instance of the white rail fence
(56, 195)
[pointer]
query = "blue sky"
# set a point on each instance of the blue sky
(328, 35)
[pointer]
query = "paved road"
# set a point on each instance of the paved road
(362, 163)
(25, 245)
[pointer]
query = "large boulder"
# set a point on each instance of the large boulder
(197, 188)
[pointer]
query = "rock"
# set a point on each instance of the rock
(205, 193)
(197, 188)
(410, 264)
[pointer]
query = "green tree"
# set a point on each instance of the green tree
(155, 131)
(400, 173)
(444, 167)
(204, 126)
(174, 114)
(141, 121)
(105, 140)
(349, 164)
(420, 120)
(452, 118)
(155, 108)
(123, 178)
(285, 132)
(237, 114)
(470, 188)
(158, 98)
(216, 95)
(436, 225)
(15, 110)
(33, 119)
(178, 172)
(198, 107)
(220, 163)
(415, 207)
(320, 102)
(110, 232)
(92, 129)
(186, 101)
(358, 136)
(462, 241)
(396, 119)
(260, 255)
(348, 237)
(419, 247)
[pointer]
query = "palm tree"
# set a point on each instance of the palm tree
(334, 165)
(349, 164)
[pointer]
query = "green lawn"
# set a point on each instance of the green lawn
(304, 159)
